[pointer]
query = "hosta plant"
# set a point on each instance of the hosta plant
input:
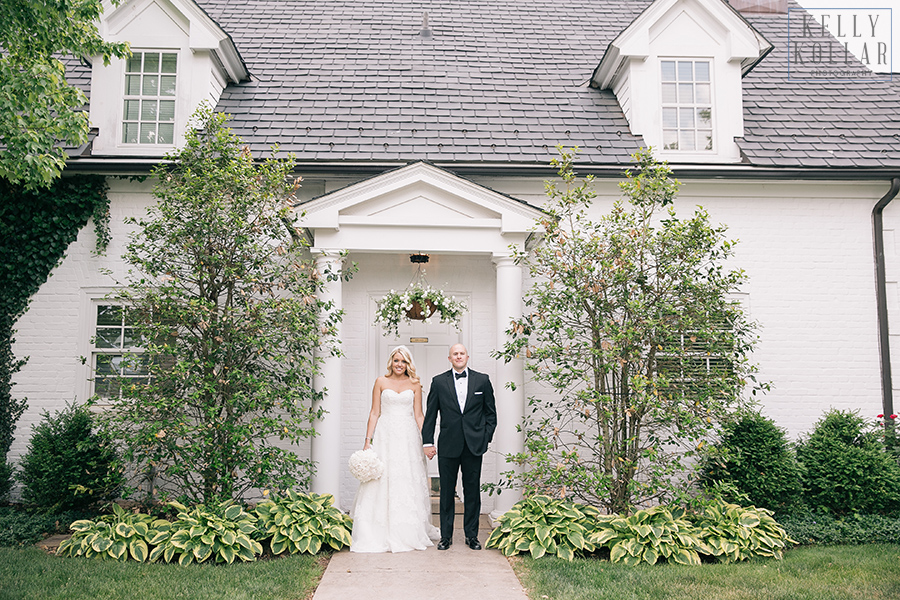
(120, 535)
(221, 532)
(544, 525)
(733, 533)
(303, 523)
(647, 536)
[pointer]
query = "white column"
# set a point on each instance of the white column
(510, 403)
(326, 446)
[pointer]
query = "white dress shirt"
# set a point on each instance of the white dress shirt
(462, 388)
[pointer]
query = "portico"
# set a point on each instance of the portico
(416, 208)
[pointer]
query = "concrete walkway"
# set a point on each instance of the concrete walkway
(455, 574)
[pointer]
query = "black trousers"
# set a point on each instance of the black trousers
(448, 469)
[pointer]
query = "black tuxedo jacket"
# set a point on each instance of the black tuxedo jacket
(474, 427)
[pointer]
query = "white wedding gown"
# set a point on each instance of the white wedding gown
(393, 513)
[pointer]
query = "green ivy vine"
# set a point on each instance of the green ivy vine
(36, 227)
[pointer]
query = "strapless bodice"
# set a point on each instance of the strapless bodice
(396, 401)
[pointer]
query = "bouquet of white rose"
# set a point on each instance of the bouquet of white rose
(365, 465)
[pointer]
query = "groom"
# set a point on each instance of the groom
(465, 400)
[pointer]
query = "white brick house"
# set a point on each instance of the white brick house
(362, 93)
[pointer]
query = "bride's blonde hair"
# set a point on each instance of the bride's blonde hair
(410, 365)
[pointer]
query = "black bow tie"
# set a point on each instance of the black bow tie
(459, 375)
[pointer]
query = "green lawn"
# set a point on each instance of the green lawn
(870, 572)
(31, 573)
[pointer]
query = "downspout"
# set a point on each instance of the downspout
(884, 343)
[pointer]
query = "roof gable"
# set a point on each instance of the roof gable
(164, 22)
(418, 206)
(714, 21)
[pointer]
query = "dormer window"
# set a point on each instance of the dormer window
(149, 115)
(686, 105)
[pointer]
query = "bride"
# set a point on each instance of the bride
(393, 513)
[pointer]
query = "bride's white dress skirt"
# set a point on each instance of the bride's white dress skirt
(393, 513)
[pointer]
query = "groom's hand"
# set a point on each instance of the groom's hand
(430, 451)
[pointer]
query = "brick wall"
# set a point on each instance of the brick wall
(807, 248)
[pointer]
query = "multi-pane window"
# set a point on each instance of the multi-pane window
(699, 362)
(149, 115)
(686, 105)
(116, 352)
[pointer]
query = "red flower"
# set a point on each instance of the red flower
(879, 416)
(893, 416)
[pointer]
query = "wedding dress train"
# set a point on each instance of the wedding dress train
(393, 513)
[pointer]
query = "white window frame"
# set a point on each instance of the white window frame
(132, 106)
(685, 109)
(90, 350)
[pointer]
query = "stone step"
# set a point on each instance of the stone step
(436, 506)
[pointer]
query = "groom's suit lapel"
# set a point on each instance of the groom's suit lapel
(451, 394)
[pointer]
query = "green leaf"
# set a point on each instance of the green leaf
(233, 512)
(536, 549)
(202, 552)
(124, 530)
(603, 536)
(101, 544)
(576, 539)
(279, 547)
(565, 552)
(117, 550)
(138, 550)
(618, 553)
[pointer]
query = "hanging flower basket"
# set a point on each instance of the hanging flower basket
(417, 303)
(420, 310)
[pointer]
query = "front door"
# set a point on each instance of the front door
(430, 348)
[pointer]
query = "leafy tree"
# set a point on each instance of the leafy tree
(40, 113)
(39, 110)
(630, 326)
(224, 299)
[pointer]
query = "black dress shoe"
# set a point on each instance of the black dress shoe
(444, 544)
(473, 543)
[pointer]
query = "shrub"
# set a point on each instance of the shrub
(544, 525)
(302, 523)
(734, 533)
(846, 468)
(221, 531)
(822, 529)
(120, 535)
(755, 460)
(647, 536)
(19, 527)
(68, 466)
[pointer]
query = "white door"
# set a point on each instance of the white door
(430, 347)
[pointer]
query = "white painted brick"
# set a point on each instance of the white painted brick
(806, 247)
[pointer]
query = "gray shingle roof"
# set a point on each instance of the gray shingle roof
(791, 122)
(504, 82)
(496, 81)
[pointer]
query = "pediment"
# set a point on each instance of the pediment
(424, 205)
(149, 16)
(419, 202)
(165, 23)
(679, 28)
